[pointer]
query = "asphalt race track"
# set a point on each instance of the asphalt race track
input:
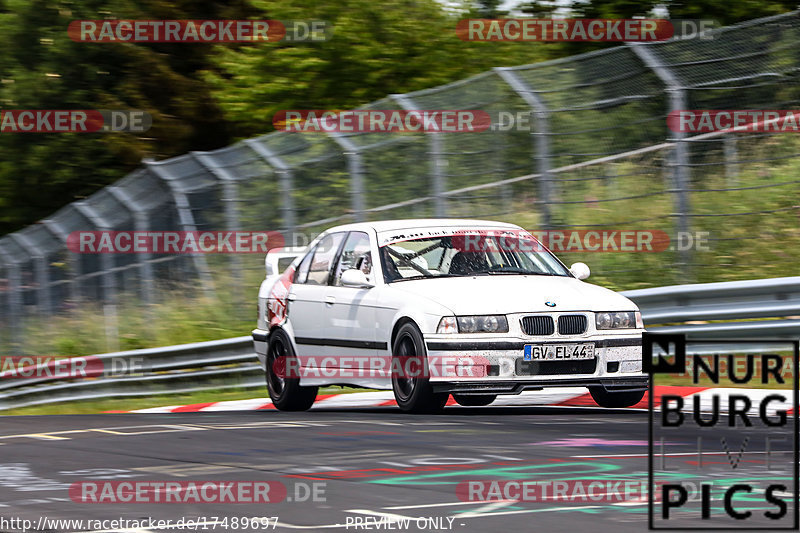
(370, 466)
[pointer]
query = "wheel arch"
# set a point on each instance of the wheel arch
(286, 328)
(400, 322)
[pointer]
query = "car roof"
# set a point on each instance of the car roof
(416, 223)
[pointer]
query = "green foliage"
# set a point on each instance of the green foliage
(728, 12)
(202, 96)
(183, 315)
(377, 48)
(740, 247)
(42, 68)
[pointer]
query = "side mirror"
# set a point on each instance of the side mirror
(580, 270)
(355, 278)
(268, 266)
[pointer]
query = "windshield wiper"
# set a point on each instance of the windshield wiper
(436, 276)
(514, 271)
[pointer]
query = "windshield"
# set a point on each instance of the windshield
(481, 254)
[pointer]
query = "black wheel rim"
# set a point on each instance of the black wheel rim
(276, 359)
(405, 352)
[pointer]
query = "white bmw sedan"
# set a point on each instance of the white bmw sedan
(433, 307)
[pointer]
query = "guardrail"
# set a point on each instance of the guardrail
(221, 364)
(764, 308)
(751, 310)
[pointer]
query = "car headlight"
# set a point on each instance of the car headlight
(447, 325)
(473, 324)
(618, 320)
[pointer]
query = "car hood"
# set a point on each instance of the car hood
(504, 294)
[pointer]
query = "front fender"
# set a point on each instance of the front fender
(398, 306)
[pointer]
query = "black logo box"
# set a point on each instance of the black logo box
(678, 365)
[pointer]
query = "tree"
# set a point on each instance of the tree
(489, 9)
(725, 13)
(377, 48)
(41, 68)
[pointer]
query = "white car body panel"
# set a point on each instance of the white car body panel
(483, 295)
(345, 321)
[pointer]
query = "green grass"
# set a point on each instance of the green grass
(184, 315)
(742, 247)
(746, 246)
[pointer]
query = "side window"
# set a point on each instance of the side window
(284, 263)
(355, 254)
(323, 256)
(301, 275)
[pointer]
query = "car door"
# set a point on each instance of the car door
(350, 311)
(306, 297)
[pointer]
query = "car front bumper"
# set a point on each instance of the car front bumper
(631, 383)
(497, 366)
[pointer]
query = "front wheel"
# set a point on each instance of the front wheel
(604, 398)
(410, 380)
(284, 389)
(474, 400)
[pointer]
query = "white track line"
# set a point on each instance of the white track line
(237, 405)
(551, 397)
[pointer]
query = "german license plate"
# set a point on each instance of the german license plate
(558, 352)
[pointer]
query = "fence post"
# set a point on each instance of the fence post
(232, 223)
(109, 279)
(541, 136)
(14, 302)
(438, 161)
(680, 169)
(141, 224)
(44, 303)
(731, 158)
(187, 223)
(286, 183)
(356, 170)
(74, 262)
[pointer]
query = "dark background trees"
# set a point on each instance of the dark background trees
(206, 96)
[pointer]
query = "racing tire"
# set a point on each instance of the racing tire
(285, 391)
(604, 398)
(413, 392)
(474, 400)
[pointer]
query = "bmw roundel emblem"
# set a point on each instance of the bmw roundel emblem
(550, 304)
